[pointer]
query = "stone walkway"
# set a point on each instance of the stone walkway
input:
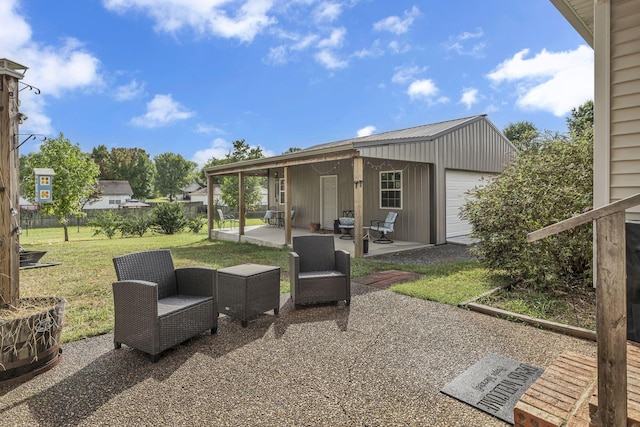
(384, 279)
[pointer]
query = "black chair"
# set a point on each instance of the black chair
(319, 273)
(157, 306)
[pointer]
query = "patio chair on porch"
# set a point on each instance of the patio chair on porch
(157, 306)
(346, 223)
(383, 227)
(226, 218)
(318, 272)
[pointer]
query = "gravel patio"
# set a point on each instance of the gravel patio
(380, 362)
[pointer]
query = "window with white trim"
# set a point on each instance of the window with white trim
(391, 190)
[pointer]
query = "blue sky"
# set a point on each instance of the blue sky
(192, 76)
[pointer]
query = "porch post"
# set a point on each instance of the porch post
(210, 207)
(358, 199)
(287, 206)
(611, 314)
(241, 206)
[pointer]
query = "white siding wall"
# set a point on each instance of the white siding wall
(625, 102)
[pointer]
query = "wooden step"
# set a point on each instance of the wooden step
(566, 394)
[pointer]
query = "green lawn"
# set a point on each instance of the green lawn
(84, 278)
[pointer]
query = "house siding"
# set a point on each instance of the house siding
(625, 98)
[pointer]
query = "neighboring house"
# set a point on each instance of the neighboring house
(421, 173)
(187, 191)
(113, 194)
(612, 28)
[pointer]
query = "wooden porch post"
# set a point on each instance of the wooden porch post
(287, 206)
(210, 207)
(9, 182)
(241, 206)
(358, 199)
(611, 313)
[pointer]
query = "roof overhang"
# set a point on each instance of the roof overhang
(260, 167)
(580, 14)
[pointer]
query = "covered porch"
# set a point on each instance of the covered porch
(270, 236)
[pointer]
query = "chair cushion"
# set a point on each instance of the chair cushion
(178, 302)
(346, 221)
(320, 274)
(381, 228)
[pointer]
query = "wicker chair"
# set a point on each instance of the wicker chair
(157, 306)
(318, 272)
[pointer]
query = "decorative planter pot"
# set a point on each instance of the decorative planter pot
(30, 344)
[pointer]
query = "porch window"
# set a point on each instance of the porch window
(391, 190)
(281, 191)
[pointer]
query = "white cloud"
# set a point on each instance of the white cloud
(335, 40)
(460, 44)
(397, 25)
(220, 18)
(329, 60)
(550, 81)
(366, 131)
(374, 51)
(219, 149)
(406, 74)
(469, 97)
(327, 12)
(55, 70)
(207, 129)
(161, 111)
(397, 47)
(426, 90)
(129, 91)
(278, 55)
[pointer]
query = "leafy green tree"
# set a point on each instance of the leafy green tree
(169, 218)
(539, 188)
(106, 222)
(75, 180)
(172, 173)
(129, 164)
(524, 135)
(580, 122)
(229, 185)
(292, 150)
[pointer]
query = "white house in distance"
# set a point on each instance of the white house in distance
(113, 195)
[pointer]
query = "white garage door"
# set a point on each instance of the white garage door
(458, 183)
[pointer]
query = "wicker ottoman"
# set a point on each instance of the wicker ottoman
(246, 290)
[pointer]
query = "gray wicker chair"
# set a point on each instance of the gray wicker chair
(157, 306)
(318, 272)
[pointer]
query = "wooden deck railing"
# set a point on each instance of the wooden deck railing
(611, 303)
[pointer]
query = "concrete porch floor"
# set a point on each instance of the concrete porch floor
(274, 236)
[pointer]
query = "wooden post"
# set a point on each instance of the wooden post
(9, 179)
(241, 206)
(611, 312)
(287, 206)
(358, 199)
(210, 207)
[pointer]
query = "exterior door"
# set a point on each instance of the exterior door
(328, 201)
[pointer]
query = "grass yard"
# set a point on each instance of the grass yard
(84, 278)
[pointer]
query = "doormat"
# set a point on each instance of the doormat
(494, 385)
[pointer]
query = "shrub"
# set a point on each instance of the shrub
(106, 222)
(168, 218)
(539, 188)
(195, 224)
(135, 225)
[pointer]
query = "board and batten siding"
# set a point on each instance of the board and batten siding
(625, 103)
